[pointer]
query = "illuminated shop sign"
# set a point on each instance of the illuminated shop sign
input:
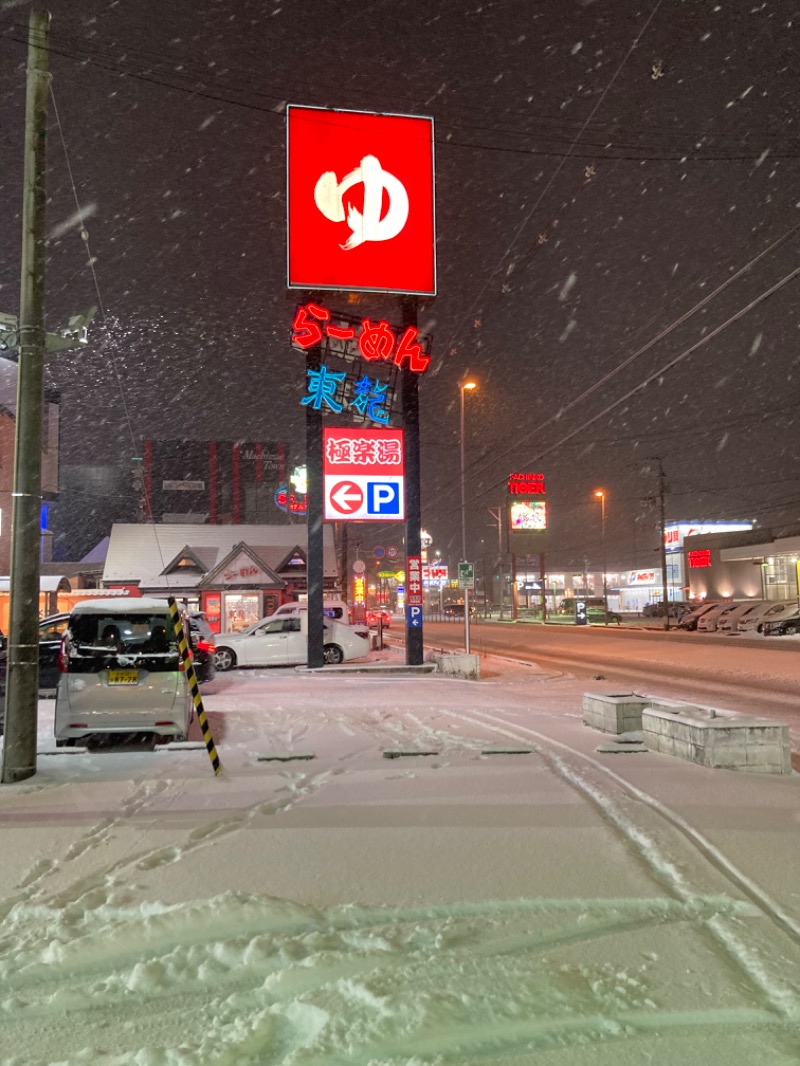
(435, 575)
(360, 201)
(414, 580)
(363, 474)
(699, 559)
(526, 485)
(373, 351)
(525, 515)
(675, 535)
(374, 341)
(289, 502)
(643, 577)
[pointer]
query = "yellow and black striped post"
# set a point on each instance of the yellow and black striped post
(194, 688)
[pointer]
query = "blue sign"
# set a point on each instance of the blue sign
(383, 498)
(414, 617)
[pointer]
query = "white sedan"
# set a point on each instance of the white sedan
(284, 642)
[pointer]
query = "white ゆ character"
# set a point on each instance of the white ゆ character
(366, 225)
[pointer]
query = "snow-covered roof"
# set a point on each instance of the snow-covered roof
(140, 552)
(134, 605)
(47, 583)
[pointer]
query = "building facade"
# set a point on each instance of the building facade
(234, 574)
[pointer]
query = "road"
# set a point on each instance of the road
(751, 675)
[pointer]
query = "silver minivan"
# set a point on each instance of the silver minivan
(120, 673)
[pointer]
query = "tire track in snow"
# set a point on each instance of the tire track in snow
(779, 995)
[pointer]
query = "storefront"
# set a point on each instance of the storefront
(234, 581)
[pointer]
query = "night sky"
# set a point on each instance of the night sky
(603, 169)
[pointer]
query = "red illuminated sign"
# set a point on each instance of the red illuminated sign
(363, 474)
(414, 580)
(699, 559)
(526, 484)
(372, 341)
(360, 201)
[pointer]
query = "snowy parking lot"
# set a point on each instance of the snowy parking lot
(397, 870)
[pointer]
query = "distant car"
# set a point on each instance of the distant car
(770, 613)
(677, 609)
(597, 616)
(733, 621)
(690, 620)
(376, 617)
(202, 638)
(786, 627)
(457, 610)
(284, 642)
(567, 606)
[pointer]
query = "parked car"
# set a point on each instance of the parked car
(119, 673)
(732, 621)
(690, 620)
(379, 617)
(567, 606)
(335, 609)
(775, 611)
(202, 642)
(785, 627)
(597, 616)
(677, 609)
(707, 622)
(51, 630)
(284, 642)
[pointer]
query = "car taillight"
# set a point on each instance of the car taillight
(206, 646)
(63, 658)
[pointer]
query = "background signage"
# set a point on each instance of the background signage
(363, 475)
(527, 513)
(674, 535)
(360, 201)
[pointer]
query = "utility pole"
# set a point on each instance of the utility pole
(22, 689)
(662, 490)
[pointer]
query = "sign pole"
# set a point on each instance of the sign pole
(315, 570)
(410, 400)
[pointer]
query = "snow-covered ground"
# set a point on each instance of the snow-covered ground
(397, 871)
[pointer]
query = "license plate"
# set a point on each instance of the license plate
(123, 677)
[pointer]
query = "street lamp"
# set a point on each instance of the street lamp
(464, 387)
(601, 496)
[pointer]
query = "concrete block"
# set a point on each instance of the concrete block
(717, 738)
(459, 665)
(613, 713)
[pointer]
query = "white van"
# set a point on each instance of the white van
(335, 609)
(119, 672)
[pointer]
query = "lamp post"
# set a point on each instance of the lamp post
(464, 386)
(601, 496)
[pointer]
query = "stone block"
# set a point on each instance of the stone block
(610, 713)
(716, 738)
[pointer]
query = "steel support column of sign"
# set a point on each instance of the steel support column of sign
(315, 567)
(410, 396)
